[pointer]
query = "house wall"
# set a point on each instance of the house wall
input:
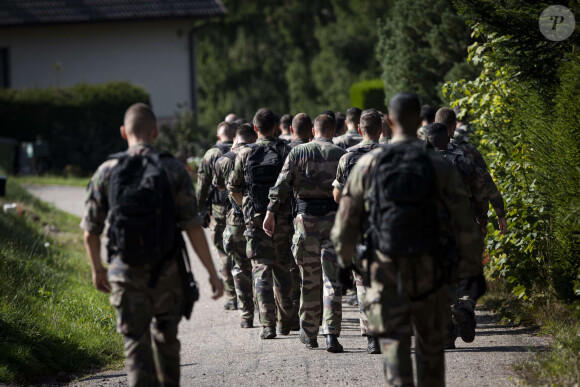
(151, 54)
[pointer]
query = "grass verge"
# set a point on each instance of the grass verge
(53, 180)
(52, 320)
(559, 365)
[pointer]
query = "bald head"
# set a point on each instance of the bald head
(404, 113)
(231, 118)
(226, 131)
(140, 122)
(447, 117)
(324, 126)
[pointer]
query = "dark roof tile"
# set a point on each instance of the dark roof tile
(29, 12)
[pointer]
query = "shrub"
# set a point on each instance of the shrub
(368, 95)
(81, 123)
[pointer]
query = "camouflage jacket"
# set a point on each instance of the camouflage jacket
(237, 180)
(97, 203)
(384, 140)
(223, 168)
(472, 181)
(339, 182)
(493, 194)
(205, 174)
(350, 138)
(421, 133)
(297, 141)
(462, 133)
(308, 172)
(355, 206)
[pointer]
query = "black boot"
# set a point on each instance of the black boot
(373, 346)
(310, 342)
(465, 320)
(332, 344)
(268, 333)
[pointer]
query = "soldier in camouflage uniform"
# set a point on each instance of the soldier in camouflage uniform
(217, 225)
(147, 317)
(270, 256)
(427, 117)
(392, 310)
(352, 136)
(371, 128)
(308, 174)
(386, 132)
(301, 129)
(447, 117)
(285, 123)
(233, 237)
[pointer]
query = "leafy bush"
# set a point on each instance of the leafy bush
(81, 123)
(368, 94)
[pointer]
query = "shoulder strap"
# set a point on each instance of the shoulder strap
(117, 156)
(225, 148)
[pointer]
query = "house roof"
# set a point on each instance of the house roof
(34, 12)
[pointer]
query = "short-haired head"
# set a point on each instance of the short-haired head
(329, 113)
(265, 121)
(353, 117)
(405, 111)
(226, 131)
(340, 124)
(302, 126)
(447, 117)
(246, 133)
(239, 121)
(436, 135)
(463, 118)
(231, 117)
(324, 126)
(370, 124)
(428, 114)
(140, 121)
(285, 123)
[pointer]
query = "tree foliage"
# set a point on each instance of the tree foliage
(526, 112)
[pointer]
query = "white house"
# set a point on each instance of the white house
(150, 43)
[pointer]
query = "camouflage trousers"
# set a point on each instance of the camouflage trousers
(271, 267)
(148, 320)
(361, 291)
(235, 247)
(217, 227)
(317, 259)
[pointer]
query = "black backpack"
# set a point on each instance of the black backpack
(404, 218)
(215, 195)
(357, 153)
(263, 167)
(143, 224)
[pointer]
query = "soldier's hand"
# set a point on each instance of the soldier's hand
(502, 225)
(100, 280)
(269, 223)
(217, 287)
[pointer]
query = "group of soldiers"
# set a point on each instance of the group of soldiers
(394, 204)
(273, 188)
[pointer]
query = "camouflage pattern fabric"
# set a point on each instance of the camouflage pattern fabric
(350, 138)
(493, 194)
(391, 312)
(297, 141)
(473, 183)
(421, 132)
(270, 257)
(384, 140)
(235, 247)
(205, 176)
(338, 183)
(308, 174)
(462, 132)
(147, 318)
(361, 292)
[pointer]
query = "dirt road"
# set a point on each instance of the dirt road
(215, 351)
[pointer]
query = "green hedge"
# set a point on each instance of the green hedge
(368, 95)
(80, 123)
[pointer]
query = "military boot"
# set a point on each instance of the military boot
(450, 336)
(310, 342)
(373, 345)
(332, 344)
(231, 305)
(268, 333)
(465, 320)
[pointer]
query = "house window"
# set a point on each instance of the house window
(4, 68)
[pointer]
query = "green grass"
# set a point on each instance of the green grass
(51, 317)
(559, 366)
(52, 180)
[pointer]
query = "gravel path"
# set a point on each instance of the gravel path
(215, 351)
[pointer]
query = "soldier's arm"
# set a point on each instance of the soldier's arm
(346, 229)
(467, 233)
(493, 193)
(197, 238)
(479, 194)
(204, 176)
(218, 177)
(281, 190)
(338, 183)
(236, 179)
